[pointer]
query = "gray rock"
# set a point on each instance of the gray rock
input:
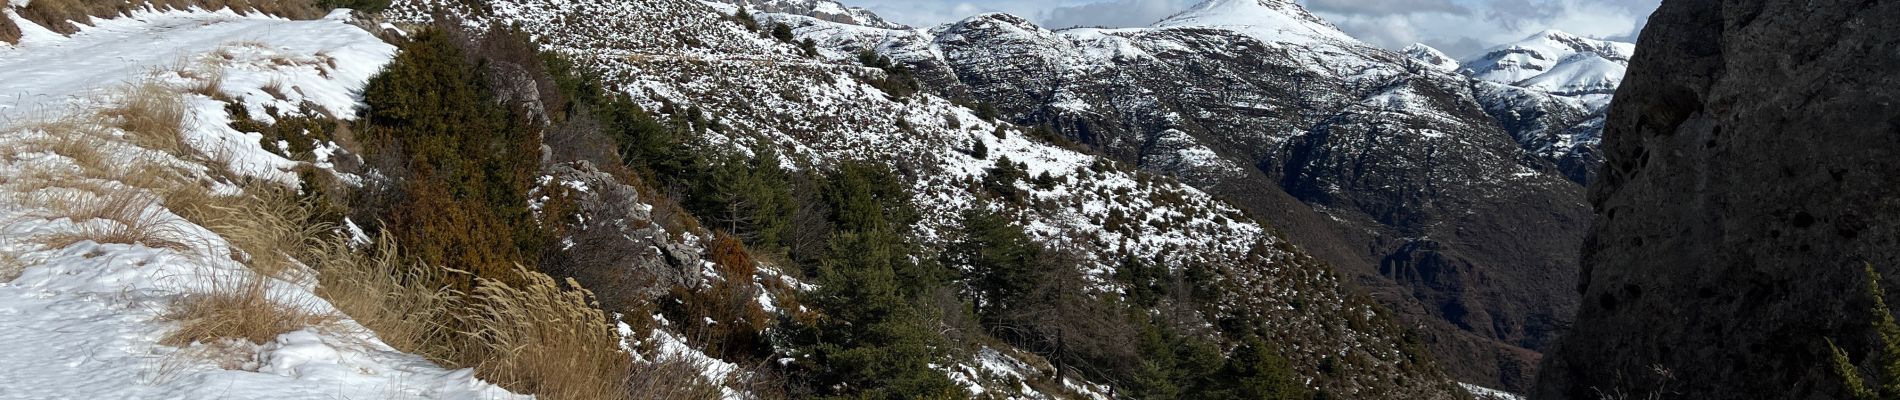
(1750, 174)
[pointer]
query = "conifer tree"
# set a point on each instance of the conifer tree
(1001, 259)
(1889, 357)
(875, 341)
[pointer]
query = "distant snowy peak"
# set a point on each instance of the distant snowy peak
(1579, 74)
(827, 10)
(1554, 61)
(1431, 57)
(1278, 21)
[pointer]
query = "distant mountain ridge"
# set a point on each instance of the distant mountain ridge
(1396, 171)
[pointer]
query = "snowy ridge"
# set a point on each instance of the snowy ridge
(827, 10)
(1269, 20)
(1430, 57)
(818, 111)
(1552, 91)
(1559, 62)
(83, 320)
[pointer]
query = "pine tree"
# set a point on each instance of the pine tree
(876, 340)
(783, 33)
(979, 150)
(1255, 371)
(1001, 259)
(1889, 332)
(1001, 178)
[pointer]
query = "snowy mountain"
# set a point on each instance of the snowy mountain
(827, 10)
(1554, 61)
(1430, 56)
(1552, 91)
(828, 110)
(1392, 169)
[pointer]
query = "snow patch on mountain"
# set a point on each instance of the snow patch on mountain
(1544, 53)
(1431, 57)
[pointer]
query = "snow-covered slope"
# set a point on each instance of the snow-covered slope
(1271, 21)
(1547, 52)
(1552, 91)
(1386, 165)
(84, 320)
(821, 9)
(818, 111)
(1430, 57)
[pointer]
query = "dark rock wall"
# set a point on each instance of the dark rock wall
(1752, 168)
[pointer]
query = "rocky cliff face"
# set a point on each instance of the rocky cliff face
(1749, 177)
(1392, 169)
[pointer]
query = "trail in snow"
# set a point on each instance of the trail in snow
(47, 71)
(84, 321)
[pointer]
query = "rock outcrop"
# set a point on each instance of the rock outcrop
(1391, 169)
(1750, 174)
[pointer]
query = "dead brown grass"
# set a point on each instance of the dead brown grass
(9, 33)
(61, 15)
(387, 294)
(239, 309)
(268, 229)
(567, 349)
(122, 215)
(275, 88)
(153, 116)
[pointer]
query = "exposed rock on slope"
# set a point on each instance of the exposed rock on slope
(759, 92)
(1750, 175)
(1390, 168)
(1550, 91)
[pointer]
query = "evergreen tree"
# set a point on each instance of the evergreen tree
(1889, 333)
(1001, 259)
(783, 33)
(471, 159)
(979, 150)
(750, 197)
(1000, 180)
(875, 341)
(1254, 371)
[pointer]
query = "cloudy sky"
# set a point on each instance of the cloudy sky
(1458, 27)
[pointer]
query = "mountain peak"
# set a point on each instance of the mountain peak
(1430, 56)
(1269, 20)
(1545, 52)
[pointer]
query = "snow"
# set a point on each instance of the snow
(1431, 57)
(85, 320)
(1579, 74)
(1545, 53)
(1272, 21)
(1485, 393)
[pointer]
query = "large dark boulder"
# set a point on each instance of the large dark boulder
(1752, 169)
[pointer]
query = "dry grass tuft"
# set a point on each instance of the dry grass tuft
(208, 82)
(61, 15)
(9, 33)
(546, 337)
(238, 309)
(275, 88)
(543, 337)
(79, 139)
(268, 229)
(389, 295)
(153, 116)
(122, 215)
